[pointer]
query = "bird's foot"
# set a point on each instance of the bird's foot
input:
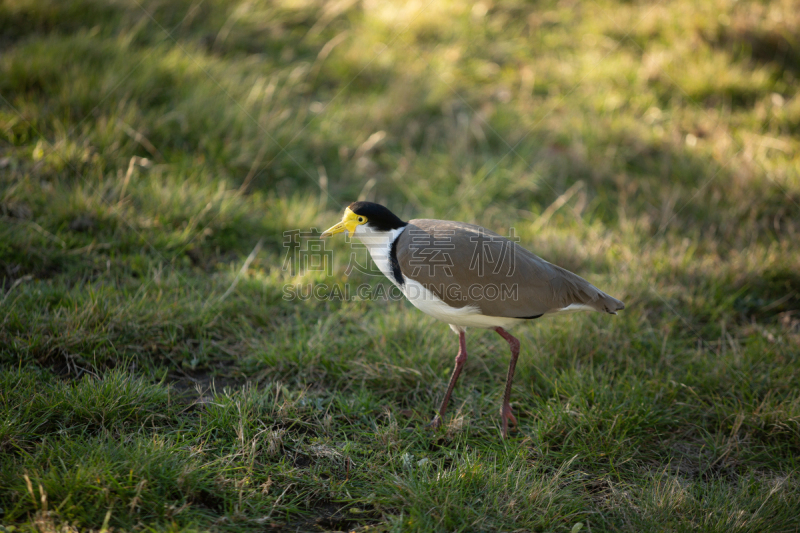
(507, 416)
(435, 423)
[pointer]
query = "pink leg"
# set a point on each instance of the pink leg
(461, 358)
(505, 410)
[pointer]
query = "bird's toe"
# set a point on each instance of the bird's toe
(434, 424)
(508, 419)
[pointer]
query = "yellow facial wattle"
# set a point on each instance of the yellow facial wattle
(349, 222)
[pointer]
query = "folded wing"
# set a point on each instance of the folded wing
(464, 264)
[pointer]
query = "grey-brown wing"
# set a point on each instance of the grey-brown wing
(464, 264)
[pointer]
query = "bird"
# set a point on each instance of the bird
(468, 276)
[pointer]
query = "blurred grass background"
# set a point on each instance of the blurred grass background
(146, 147)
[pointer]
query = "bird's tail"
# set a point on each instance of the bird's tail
(608, 304)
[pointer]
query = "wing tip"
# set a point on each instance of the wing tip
(615, 306)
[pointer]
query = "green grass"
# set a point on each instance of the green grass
(150, 382)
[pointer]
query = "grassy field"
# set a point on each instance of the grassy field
(152, 155)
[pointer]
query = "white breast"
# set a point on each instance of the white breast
(458, 317)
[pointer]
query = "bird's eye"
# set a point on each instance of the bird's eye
(361, 219)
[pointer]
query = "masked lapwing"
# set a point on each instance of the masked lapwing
(468, 276)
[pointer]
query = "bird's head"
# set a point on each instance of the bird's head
(364, 217)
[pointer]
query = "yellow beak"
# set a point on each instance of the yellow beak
(333, 230)
(348, 223)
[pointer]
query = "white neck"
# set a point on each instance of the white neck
(379, 244)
